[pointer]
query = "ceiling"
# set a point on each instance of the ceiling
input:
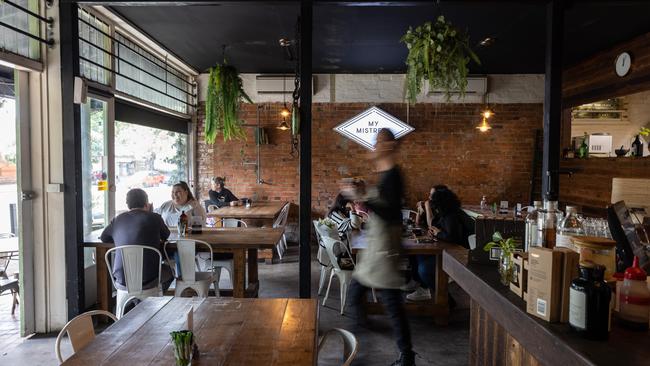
(365, 39)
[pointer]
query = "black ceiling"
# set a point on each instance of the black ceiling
(365, 39)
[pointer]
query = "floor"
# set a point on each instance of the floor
(435, 345)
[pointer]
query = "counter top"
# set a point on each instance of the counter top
(550, 344)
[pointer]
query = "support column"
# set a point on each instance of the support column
(553, 99)
(306, 8)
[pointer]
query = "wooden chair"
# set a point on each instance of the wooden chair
(188, 276)
(132, 264)
(350, 344)
(80, 331)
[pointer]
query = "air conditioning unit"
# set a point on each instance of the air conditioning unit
(272, 84)
(475, 86)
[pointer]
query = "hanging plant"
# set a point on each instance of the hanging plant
(439, 53)
(225, 93)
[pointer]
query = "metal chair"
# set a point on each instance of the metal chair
(344, 275)
(80, 331)
(409, 214)
(212, 208)
(188, 276)
(350, 344)
(132, 264)
(322, 256)
(11, 284)
(281, 221)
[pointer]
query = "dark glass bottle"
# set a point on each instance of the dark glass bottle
(579, 299)
(637, 147)
(598, 313)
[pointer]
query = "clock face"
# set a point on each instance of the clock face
(623, 64)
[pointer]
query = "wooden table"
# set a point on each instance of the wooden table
(239, 241)
(265, 210)
(503, 333)
(228, 332)
(439, 306)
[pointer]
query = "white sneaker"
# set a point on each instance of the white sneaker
(420, 294)
(410, 286)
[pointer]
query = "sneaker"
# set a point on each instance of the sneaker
(410, 286)
(405, 359)
(420, 294)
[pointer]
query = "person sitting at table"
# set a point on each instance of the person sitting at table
(339, 213)
(182, 201)
(450, 224)
(219, 195)
(139, 226)
(425, 216)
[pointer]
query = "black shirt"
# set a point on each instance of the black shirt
(221, 198)
(455, 227)
(389, 203)
(137, 227)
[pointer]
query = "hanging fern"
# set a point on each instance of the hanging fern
(437, 53)
(225, 93)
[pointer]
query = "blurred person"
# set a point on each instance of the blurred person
(139, 226)
(378, 264)
(182, 201)
(219, 195)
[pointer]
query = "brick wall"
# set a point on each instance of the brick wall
(444, 148)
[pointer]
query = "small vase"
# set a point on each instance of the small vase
(506, 268)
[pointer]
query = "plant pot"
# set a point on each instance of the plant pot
(506, 268)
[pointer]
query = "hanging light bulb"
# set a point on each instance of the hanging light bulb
(484, 126)
(487, 113)
(284, 112)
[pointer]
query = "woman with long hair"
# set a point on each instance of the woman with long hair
(182, 201)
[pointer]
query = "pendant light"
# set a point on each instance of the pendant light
(486, 114)
(284, 112)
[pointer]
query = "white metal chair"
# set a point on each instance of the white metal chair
(409, 214)
(227, 264)
(350, 344)
(132, 265)
(344, 275)
(212, 208)
(322, 256)
(80, 331)
(281, 221)
(188, 276)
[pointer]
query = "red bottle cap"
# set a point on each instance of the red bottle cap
(635, 272)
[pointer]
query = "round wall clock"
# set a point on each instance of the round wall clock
(623, 64)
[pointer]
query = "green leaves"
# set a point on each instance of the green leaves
(225, 93)
(508, 246)
(437, 53)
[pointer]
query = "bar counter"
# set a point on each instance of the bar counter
(503, 333)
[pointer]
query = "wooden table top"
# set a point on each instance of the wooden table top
(227, 331)
(409, 246)
(260, 210)
(227, 238)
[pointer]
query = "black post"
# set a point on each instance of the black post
(553, 99)
(305, 147)
(72, 156)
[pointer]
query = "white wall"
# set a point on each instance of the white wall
(389, 88)
(623, 132)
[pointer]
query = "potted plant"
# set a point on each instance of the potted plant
(225, 93)
(507, 247)
(439, 53)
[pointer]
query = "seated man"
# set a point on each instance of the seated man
(219, 195)
(139, 226)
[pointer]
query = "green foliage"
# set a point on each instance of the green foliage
(440, 54)
(179, 160)
(225, 93)
(507, 246)
(645, 131)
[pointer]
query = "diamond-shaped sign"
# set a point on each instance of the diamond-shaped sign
(363, 127)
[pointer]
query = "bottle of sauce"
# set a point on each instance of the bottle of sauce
(634, 298)
(182, 224)
(637, 147)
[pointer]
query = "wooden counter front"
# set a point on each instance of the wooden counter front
(502, 333)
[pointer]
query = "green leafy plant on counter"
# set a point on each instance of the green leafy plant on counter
(439, 53)
(183, 342)
(645, 131)
(225, 93)
(507, 246)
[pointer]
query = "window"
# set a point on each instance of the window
(94, 48)
(148, 158)
(15, 42)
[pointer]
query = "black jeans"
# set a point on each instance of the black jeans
(394, 306)
(423, 270)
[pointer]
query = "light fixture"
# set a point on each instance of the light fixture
(487, 42)
(484, 126)
(283, 126)
(284, 112)
(487, 113)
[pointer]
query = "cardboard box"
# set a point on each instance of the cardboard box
(519, 285)
(570, 260)
(544, 283)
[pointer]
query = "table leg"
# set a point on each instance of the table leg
(252, 266)
(239, 280)
(104, 285)
(442, 292)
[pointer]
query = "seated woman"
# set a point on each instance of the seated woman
(425, 216)
(451, 224)
(182, 201)
(340, 214)
(219, 195)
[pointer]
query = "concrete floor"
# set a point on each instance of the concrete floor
(435, 345)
